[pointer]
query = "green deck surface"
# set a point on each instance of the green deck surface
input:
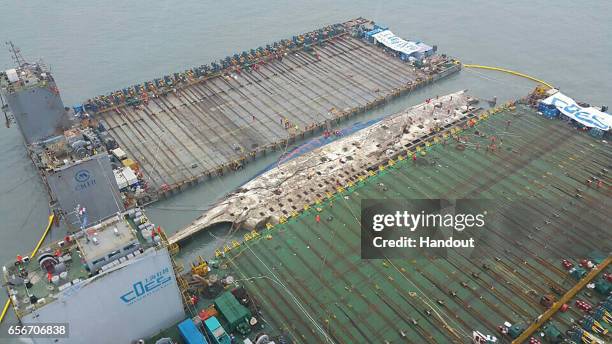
(311, 282)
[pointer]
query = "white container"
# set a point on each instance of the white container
(119, 153)
(129, 176)
(120, 179)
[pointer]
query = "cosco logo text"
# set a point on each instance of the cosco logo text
(580, 114)
(142, 289)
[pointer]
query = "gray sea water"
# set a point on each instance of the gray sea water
(96, 47)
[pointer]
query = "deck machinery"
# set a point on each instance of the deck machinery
(69, 150)
(118, 274)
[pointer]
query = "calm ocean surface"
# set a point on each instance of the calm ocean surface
(97, 47)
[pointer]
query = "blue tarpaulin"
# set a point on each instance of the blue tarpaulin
(319, 142)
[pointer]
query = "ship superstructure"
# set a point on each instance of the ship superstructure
(113, 268)
(70, 150)
(33, 98)
(108, 276)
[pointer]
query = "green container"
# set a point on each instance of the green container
(516, 330)
(233, 312)
(553, 335)
(578, 273)
(603, 287)
(596, 257)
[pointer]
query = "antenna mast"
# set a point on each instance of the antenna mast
(16, 54)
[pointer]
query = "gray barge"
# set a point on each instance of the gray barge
(201, 123)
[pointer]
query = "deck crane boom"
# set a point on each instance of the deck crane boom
(564, 299)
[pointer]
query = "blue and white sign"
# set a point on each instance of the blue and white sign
(137, 299)
(590, 116)
(390, 40)
(141, 289)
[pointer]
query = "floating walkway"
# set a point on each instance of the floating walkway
(211, 125)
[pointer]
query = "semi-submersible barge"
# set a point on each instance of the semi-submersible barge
(297, 277)
(189, 126)
(170, 133)
(540, 272)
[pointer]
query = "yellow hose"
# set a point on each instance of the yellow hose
(510, 72)
(5, 309)
(42, 239)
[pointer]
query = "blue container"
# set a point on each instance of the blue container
(596, 133)
(429, 52)
(381, 27)
(369, 34)
(577, 273)
(216, 332)
(190, 333)
(548, 111)
(551, 113)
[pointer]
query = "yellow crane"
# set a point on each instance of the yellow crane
(564, 299)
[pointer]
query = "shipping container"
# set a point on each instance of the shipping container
(216, 332)
(119, 153)
(233, 312)
(190, 333)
